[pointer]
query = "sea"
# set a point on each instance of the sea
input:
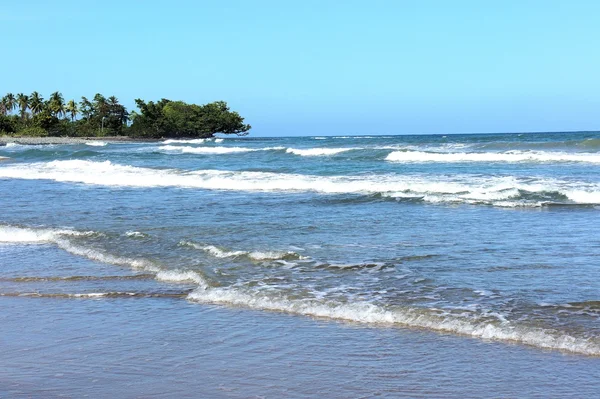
(413, 266)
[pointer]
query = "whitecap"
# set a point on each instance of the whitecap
(364, 312)
(468, 189)
(205, 150)
(512, 156)
(96, 143)
(313, 152)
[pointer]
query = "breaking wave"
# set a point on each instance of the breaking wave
(470, 189)
(97, 295)
(363, 312)
(313, 152)
(96, 143)
(253, 255)
(513, 156)
(184, 141)
(215, 150)
(60, 238)
(205, 150)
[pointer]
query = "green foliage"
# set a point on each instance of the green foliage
(33, 131)
(45, 120)
(167, 118)
(31, 115)
(8, 124)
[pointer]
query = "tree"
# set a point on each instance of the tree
(100, 105)
(56, 104)
(36, 103)
(71, 109)
(102, 116)
(178, 119)
(86, 108)
(8, 103)
(23, 102)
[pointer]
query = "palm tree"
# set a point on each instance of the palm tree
(86, 107)
(9, 103)
(57, 104)
(100, 105)
(36, 103)
(112, 100)
(23, 102)
(71, 109)
(3, 110)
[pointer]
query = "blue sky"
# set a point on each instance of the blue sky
(321, 67)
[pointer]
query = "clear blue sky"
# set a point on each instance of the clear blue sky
(321, 67)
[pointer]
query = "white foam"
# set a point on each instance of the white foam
(315, 152)
(12, 234)
(255, 255)
(183, 141)
(94, 295)
(181, 276)
(99, 256)
(512, 156)
(96, 143)
(205, 150)
(465, 188)
(218, 140)
(363, 312)
(219, 253)
(135, 234)
(59, 237)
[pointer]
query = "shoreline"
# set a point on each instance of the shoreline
(71, 140)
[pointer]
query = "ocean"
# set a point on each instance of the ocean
(338, 266)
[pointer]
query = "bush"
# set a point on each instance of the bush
(33, 131)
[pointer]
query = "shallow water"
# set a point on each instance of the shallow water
(418, 266)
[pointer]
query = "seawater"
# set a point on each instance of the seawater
(469, 247)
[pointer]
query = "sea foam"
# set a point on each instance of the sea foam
(315, 152)
(96, 143)
(254, 255)
(205, 150)
(461, 188)
(513, 156)
(364, 312)
(60, 238)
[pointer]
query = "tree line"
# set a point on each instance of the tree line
(32, 115)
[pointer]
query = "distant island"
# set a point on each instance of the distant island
(25, 115)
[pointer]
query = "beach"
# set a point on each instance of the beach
(459, 266)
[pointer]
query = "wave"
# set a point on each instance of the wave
(12, 234)
(184, 141)
(96, 143)
(469, 189)
(513, 156)
(97, 295)
(78, 278)
(588, 144)
(430, 319)
(215, 150)
(59, 237)
(312, 152)
(205, 150)
(253, 255)
(135, 234)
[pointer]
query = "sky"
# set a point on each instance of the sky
(325, 67)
